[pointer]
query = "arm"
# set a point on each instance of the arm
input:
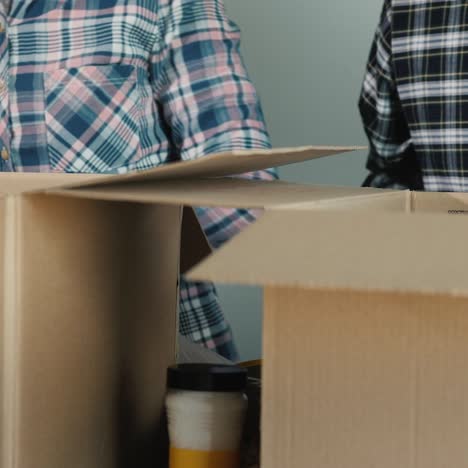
(392, 159)
(207, 99)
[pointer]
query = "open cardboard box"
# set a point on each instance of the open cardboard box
(365, 329)
(88, 280)
(365, 324)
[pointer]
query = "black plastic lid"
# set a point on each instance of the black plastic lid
(207, 378)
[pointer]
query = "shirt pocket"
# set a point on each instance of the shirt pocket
(92, 115)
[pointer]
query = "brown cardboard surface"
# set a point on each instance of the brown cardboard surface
(2, 329)
(449, 203)
(347, 250)
(226, 192)
(226, 164)
(364, 380)
(149, 331)
(21, 182)
(378, 201)
(9, 338)
(67, 326)
(94, 327)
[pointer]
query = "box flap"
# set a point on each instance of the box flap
(374, 200)
(225, 192)
(226, 164)
(393, 252)
(440, 202)
(22, 182)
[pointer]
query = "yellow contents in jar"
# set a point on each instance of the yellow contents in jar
(183, 458)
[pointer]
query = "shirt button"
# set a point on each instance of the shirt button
(5, 154)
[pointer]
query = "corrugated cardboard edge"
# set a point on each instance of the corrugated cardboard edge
(328, 287)
(12, 315)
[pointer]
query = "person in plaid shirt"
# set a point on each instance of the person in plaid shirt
(414, 98)
(111, 86)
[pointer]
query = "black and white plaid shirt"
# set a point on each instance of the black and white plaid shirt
(414, 100)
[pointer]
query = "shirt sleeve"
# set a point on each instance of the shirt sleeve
(206, 97)
(392, 160)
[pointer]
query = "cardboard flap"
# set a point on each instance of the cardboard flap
(436, 202)
(21, 182)
(218, 192)
(225, 164)
(394, 252)
(374, 200)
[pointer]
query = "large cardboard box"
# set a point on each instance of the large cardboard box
(365, 329)
(89, 271)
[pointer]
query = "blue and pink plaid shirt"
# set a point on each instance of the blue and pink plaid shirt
(123, 85)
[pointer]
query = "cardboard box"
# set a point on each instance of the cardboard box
(88, 278)
(365, 329)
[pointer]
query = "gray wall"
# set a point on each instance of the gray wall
(307, 59)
